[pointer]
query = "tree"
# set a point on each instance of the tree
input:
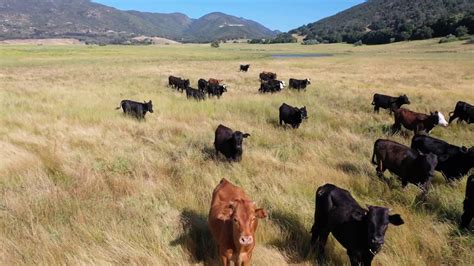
(423, 33)
(461, 31)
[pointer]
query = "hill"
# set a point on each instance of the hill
(384, 21)
(88, 21)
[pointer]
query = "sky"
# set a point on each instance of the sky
(281, 15)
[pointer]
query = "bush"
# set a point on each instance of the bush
(461, 31)
(448, 38)
(358, 43)
(215, 44)
(310, 42)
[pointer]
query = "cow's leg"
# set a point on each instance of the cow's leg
(379, 168)
(376, 109)
(466, 218)
(354, 258)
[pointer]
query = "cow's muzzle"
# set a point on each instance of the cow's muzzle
(246, 240)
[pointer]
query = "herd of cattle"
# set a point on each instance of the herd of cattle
(233, 216)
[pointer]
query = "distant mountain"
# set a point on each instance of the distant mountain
(90, 21)
(382, 21)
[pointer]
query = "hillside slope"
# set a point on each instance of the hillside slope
(383, 21)
(86, 20)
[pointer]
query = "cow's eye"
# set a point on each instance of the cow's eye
(235, 220)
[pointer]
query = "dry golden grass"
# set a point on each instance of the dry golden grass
(82, 184)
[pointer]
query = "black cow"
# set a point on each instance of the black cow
(194, 93)
(182, 84)
(409, 164)
(360, 231)
(453, 162)
(178, 83)
(229, 143)
(136, 109)
(292, 115)
(468, 203)
(271, 86)
(202, 85)
(299, 84)
(216, 90)
(244, 68)
(464, 112)
(389, 102)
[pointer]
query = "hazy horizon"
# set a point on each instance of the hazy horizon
(284, 16)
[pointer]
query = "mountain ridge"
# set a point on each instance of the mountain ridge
(90, 21)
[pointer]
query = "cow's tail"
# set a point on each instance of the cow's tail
(121, 103)
(373, 155)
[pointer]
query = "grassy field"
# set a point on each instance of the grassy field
(82, 184)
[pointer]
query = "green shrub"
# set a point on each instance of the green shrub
(358, 43)
(310, 42)
(461, 31)
(448, 38)
(215, 44)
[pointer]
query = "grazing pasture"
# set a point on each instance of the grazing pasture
(80, 183)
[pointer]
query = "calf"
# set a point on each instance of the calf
(266, 76)
(271, 86)
(202, 85)
(463, 112)
(453, 162)
(244, 68)
(173, 81)
(416, 121)
(292, 115)
(468, 203)
(229, 143)
(389, 102)
(361, 232)
(182, 84)
(410, 165)
(136, 109)
(216, 90)
(233, 221)
(194, 93)
(299, 84)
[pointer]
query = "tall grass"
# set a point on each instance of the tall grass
(81, 183)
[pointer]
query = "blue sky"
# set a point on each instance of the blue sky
(275, 14)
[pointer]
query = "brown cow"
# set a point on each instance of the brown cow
(215, 81)
(417, 121)
(233, 220)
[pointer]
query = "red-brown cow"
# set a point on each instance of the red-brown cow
(233, 220)
(417, 121)
(215, 81)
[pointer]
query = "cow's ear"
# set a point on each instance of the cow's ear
(261, 213)
(443, 157)
(227, 212)
(395, 219)
(246, 135)
(359, 216)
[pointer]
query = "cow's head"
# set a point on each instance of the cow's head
(237, 140)
(441, 120)
(427, 163)
(308, 81)
(243, 215)
(149, 106)
(186, 82)
(224, 88)
(378, 219)
(304, 113)
(403, 99)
